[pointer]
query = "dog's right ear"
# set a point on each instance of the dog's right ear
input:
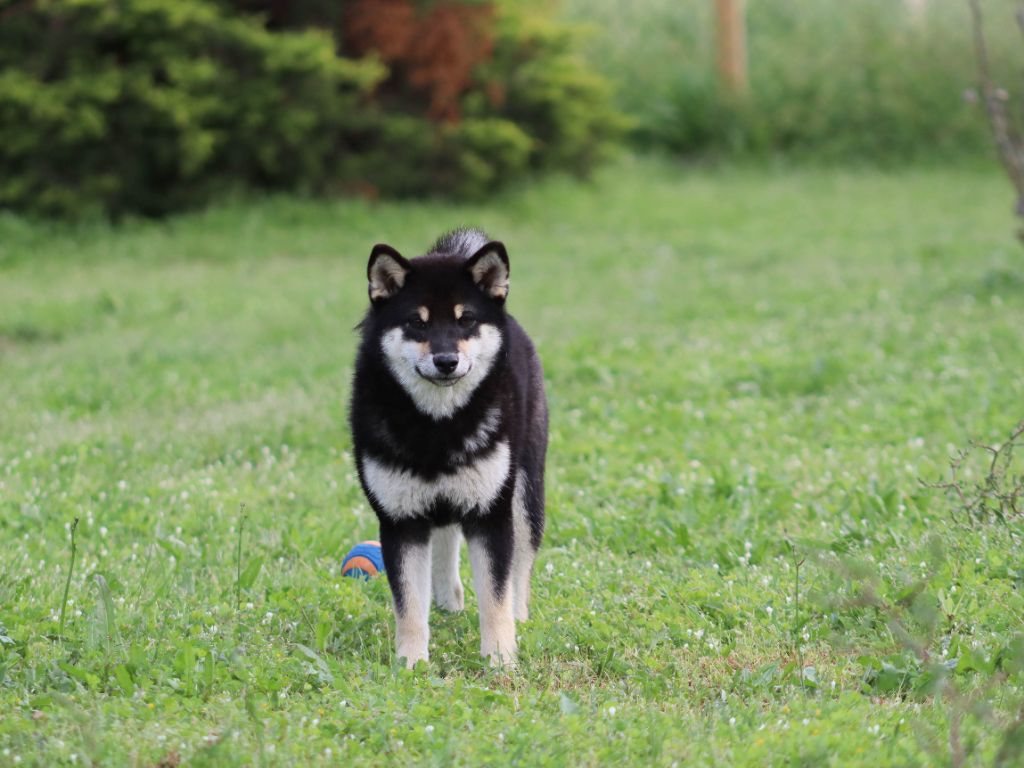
(386, 272)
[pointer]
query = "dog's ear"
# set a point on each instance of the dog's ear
(489, 269)
(386, 272)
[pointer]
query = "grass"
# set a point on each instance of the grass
(746, 370)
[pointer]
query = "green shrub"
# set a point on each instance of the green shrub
(550, 92)
(148, 106)
(151, 105)
(407, 156)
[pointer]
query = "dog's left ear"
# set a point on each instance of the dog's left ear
(489, 269)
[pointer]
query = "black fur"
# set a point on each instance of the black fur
(388, 426)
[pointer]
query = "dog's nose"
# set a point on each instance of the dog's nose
(446, 362)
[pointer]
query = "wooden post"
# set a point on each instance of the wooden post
(731, 38)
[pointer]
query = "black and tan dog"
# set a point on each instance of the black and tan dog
(449, 426)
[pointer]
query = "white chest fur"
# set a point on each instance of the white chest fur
(473, 486)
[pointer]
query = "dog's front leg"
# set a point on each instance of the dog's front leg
(490, 555)
(406, 550)
(447, 586)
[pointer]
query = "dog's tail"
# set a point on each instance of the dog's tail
(463, 242)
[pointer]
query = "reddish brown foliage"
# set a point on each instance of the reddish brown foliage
(432, 53)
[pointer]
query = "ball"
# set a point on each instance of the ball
(364, 561)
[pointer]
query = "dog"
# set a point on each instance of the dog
(449, 428)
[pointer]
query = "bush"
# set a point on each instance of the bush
(153, 105)
(839, 81)
(476, 93)
(406, 156)
(541, 82)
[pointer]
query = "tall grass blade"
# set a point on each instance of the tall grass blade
(67, 583)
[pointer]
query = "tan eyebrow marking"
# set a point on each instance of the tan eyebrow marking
(459, 309)
(424, 314)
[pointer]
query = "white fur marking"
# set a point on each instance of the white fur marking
(446, 584)
(488, 426)
(473, 486)
(407, 361)
(497, 624)
(412, 626)
(523, 552)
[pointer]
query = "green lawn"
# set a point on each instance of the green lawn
(746, 369)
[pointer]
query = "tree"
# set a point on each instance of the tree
(731, 44)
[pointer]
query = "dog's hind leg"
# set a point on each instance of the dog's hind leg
(407, 563)
(523, 550)
(491, 559)
(446, 584)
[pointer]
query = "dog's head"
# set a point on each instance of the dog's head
(440, 319)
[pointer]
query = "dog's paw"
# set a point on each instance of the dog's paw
(451, 599)
(501, 653)
(412, 655)
(501, 660)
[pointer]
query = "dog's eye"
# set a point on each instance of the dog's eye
(467, 320)
(417, 322)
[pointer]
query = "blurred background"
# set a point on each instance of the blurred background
(150, 106)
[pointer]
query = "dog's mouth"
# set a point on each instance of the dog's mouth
(444, 380)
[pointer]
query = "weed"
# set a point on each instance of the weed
(238, 557)
(998, 495)
(67, 582)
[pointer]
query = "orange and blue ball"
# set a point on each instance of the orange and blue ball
(364, 561)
